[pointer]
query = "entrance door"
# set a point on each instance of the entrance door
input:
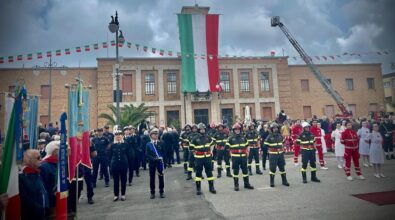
(227, 116)
(201, 116)
(267, 113)
(307, 112)
(173, 118)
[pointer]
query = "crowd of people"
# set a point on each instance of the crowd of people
(238, 150)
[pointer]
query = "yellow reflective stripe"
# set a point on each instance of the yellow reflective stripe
(245, 175)
(190, 169)
(210, 178)
(202, 156)
(280, 152)
(235, 176)
(304, 142)
(270, 172)
(282, 172)
(219, 166)
(227, 166)
(303, 170)
(249, 164)
(238, 155)
(198, 179)
(313, 169)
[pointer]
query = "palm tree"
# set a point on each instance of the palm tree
(129, 115)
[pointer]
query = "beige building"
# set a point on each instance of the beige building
(265, 84)
(389, 92)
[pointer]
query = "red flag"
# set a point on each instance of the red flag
(85, 151)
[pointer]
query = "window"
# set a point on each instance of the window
(45, 91)
(350, 84)
(126, 83)
(149, 84)
(370, 83)
(225, 79)
(305, 85)
(307, 112)
(387, 84)
(44, 120)
(152, 118)
(265, 82)
(352, 108)
(11, 89)
(393, 83)
(227, 116)
(171, 83)
(244, 82)
(201, 116)
(173, 118)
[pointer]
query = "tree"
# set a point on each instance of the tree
(129, 115)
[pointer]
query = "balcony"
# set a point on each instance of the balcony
(201, 96)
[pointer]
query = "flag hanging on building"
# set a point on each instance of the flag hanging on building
(78, 49)
(199, 35)
(58, 53)
(30, 56)
(19, 57)
(11, 148)
(49, 54)
(39, 55)
(104, 45)
(62, 189)
(67, 51)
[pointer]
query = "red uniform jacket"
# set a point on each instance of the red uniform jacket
(350, 139)
(296, 131)
(316, 131)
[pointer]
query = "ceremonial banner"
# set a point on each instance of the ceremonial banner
(30, 117)
(85, 153)
(72, 129)
(199, 35)
(62, 189)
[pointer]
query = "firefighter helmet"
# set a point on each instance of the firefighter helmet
(236, 126)
(201, 126)
(305, 124)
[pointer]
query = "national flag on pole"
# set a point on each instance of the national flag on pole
(161, 52)
(62, 189)
(113, 43)
(78, 49)
(73, 159)
(49, 54)
(9, 180)
(95, 46)
(30, 56)
(145, 48)
(67, 51)
(199, 35)
(85, 152)
(153, 50)
(104, 45)
(87, 48)
(19, 57)
(129, 44)
(39, 55)
(58, 53)
(170, 53)
(137, 46)
(10, 59)
(1, 59)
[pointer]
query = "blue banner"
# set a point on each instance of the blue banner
(20, 94)
(30, 117)
(62, 157)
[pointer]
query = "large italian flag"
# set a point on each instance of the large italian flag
(199, 48)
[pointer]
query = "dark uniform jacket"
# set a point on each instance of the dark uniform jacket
(191, 136)
(151, 155)
(202, 144)
(263, 135)
(100, 144)
(252, 137)
(175, 136)
(220, 138)
(132, 142)
(48, 175)
(306, 140)
(385, 130)
(109, 136)
(167, 140)
(33, 196)
(184, 138)
(275, 142)
(238, 144)
(118, 156)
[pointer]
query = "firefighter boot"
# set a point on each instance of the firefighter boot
(236, 181)
(258, 171)
(249, 171)
(211, 187)
(189, 176)
(247, 184)
(271, 180)
(304, 177)
(219, 170)
(284, 179)
(314, 177)
(228, 172)
(185, 168)
(198, 188)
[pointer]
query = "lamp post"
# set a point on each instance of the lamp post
(219, 88)
(49, 66)
(113, 26)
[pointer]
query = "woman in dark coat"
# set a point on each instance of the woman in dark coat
(119, 164)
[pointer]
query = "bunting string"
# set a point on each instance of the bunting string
(169, 53)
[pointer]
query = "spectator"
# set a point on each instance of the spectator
(51, 130)
(33, 196)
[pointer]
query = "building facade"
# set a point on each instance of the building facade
(389, 92)
(265, 84)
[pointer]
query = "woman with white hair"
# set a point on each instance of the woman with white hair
(339, 147)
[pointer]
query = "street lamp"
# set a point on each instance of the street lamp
(49, 66)
(113, 26)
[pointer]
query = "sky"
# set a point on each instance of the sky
(322, 27)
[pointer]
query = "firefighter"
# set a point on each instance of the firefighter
(306, 143)
(276, 154)
(252, 138)
(220, 138)
(296, 130)
(202, 144)
(185, 145)
(191, 161)
(238, 149)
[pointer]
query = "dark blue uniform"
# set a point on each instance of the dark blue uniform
(156, 164)
(119, 166)
(132, 143)
(101, 145)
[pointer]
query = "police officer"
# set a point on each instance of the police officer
(137, 149)
(252, 138)
(276, 154)
(220, 138)
(131, 152)
(202, 144)
(238, 150)
(101, 144)
(155, 153)
(306, 143)
(191, 161)
(119, 164)
(185, 145)
(88, 177)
